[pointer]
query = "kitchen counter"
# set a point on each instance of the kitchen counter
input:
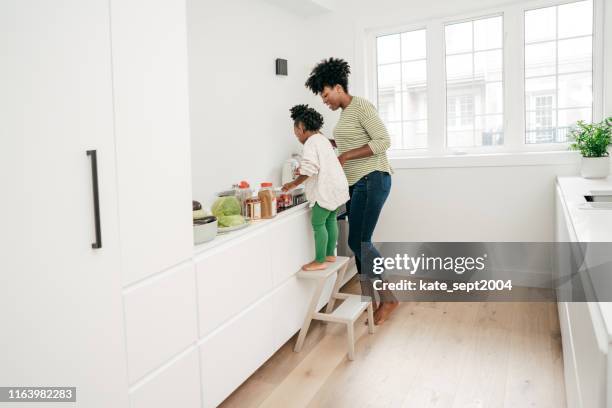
(588, 225)
(586, 327)
(255, 226)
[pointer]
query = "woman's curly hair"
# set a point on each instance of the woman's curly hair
(310, 118)
(330, 72)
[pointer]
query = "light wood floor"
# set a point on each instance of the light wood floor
(427, 355)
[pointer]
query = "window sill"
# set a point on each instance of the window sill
(556, 158)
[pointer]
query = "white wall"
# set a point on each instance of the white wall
(239, 108)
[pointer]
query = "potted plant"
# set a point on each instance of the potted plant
(592, 140)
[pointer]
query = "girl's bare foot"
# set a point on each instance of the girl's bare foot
(314, 266)
(330, 259)
(383, 312)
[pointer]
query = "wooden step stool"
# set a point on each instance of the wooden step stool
(347, 313)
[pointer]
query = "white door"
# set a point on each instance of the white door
(60, 298)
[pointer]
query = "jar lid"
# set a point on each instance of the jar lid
(268, 184)
(243, 184)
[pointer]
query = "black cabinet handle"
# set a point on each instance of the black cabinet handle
(96, 198)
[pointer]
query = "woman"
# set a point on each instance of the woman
(362, 140)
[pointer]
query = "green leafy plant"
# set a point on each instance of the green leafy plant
(592, 139)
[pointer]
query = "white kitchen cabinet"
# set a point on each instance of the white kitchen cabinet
(586, 348)
(152, 133)
(177, 385)
(160, 319)
(60, 299)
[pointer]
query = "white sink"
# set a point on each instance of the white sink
(597, 200)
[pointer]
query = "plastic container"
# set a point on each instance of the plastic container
(268, 200)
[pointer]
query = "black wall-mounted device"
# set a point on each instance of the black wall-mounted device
(281, 66)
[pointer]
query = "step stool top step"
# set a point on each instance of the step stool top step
(331, 269)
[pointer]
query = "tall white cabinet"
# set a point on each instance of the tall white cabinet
(108, 76)
(60, 299)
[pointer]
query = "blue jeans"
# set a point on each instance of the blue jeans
(367, 197)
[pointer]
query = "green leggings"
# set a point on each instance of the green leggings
(325, 227)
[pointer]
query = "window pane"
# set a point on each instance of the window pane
(413, 45)
(415, 134)
(395, 134)
(538, 87)
(492, 99)
(540, 24)
(474, 83)
(389, 106)
(540, 59)
(415, 103)
(389, 77)
(490, 130)
(388, 49)
(488, 65)
(402, 87)
(459, 67)
(458, 37)
(542, 124)
(460, 138)
(488, 33)
(568, 61)
(569, 117)
(414, 73)
(575, 55)
(575, 19)
(575, 90)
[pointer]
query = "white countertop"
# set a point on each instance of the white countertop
(591, 226)
(253, 227)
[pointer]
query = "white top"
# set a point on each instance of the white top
(326, 183)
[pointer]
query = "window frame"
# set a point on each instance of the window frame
(514, 104)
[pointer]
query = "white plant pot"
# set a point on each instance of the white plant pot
(595, 167)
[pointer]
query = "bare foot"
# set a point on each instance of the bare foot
(314, 266)
(330, 259)
(383, 312)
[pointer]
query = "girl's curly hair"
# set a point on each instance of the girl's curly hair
(330, 72)
(311, 119)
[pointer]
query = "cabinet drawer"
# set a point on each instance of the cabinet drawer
(232, 278)
(176, 386)
(293, 246)
(160, 320)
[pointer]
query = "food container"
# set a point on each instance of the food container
(204, 229)
(284, 200)
(268, 200)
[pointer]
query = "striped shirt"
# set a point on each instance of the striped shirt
(360, 125)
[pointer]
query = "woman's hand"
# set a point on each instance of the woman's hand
(288, 186)
(342, 159)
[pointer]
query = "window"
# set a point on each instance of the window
(558, 70)
(401, 66)
(474, 87)
(513, 78)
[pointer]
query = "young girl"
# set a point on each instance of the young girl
(326, 184)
